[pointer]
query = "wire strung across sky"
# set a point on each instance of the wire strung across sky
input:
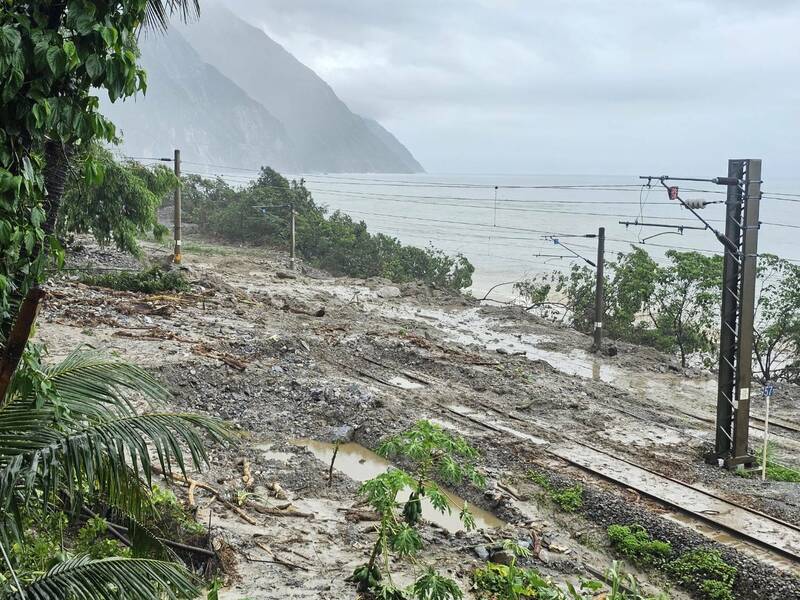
(469, 202)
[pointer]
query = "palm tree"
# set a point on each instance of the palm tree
(70, 435)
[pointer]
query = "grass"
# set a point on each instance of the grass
(149, 281)
(568, 499)
(775, 471)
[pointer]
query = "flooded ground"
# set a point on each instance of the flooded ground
(287, 356)
(360, 464)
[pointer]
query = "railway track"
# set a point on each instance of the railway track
(776, 537)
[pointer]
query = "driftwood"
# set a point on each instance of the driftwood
(277, 559)
(229, 360)
(204, 486)
(218, 495)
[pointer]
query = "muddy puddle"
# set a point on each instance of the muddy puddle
(361, 464)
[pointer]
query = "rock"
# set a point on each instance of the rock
(388, 291)
(501, 557)
(502, 351)
(481, 552)
(285, 275)
(343, 433)
(611, 350)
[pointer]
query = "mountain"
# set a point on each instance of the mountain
(227, 94)
(191, 105)
(327, 135)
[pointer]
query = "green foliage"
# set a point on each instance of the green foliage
(568, 499)
(634, 542)
(672, 306)
(777, 320)
(333, 242)
(534, 291)
(171, 512)
(775, 471)
(705, 572)
(53, 58)
(150, 281)
(93, 541)
(436, 453)
(432, 452)
(119, 205)
(511, 582)
(625, 587)
(84, 443)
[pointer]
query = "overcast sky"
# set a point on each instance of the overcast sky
(560, 86)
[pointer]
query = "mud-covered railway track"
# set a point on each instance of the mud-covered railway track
(777, 537)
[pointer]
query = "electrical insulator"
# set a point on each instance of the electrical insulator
(696, 204)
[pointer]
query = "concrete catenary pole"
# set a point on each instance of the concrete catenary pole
(598, 300)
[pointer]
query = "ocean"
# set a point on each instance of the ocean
(512, 227)
(516, 226)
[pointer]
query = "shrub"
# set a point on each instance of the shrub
(634, 542)
(706, 572)
(150, 281)
(334, 242)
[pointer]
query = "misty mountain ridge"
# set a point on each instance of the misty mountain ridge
(208, 96)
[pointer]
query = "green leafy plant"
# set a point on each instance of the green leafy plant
(511, 582)
(635, 542)
(121, 206)
(171, 512)
(432, 453)
(706, 572)
(93, 541)
(568, 499)
(625, 587)
(149, 281)
(83, 443)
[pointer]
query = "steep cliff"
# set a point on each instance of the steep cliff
(191, 105)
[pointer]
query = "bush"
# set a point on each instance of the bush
(260, 213)
(634, 542)
(150, 281)
(706, 572)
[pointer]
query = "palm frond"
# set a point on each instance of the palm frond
(90, 385)
(159, 12)
(86, 378)
(82, 578)
(109, 455)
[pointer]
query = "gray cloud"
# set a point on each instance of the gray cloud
(559, 86)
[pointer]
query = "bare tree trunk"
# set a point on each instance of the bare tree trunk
(56, 157)
(18, 339)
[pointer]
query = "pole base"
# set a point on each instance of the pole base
(735, 463)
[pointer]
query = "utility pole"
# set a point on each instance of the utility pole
(177, 227)
(292, 251)
(598, 293)
(740, 241)
(748, 255)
